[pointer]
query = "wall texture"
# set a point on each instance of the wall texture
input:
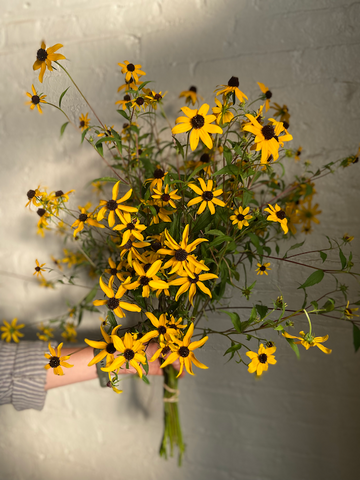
(300, 420)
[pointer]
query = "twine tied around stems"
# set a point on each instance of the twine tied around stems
(175, 397)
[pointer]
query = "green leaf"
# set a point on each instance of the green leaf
(104, 179)
(100, 149)
(293, 247)
(195, 171)
(214, 232)
(146, 366)
(230, 169)
(62, 129)
(62, 96)
(323, 256)
(253, 314)
(342, 259)
(140, 87)
(84, 133)
(203, 221)
(220, 239)
(293, 346)
(262, 310)
(329, 305)
(179, 147)
(256, 242)
(279, 328)
(145, 380)
(124, 114)
(356, 336)
(91, 295)
(228, 155)
(235, 320)
(313, 279)
(111, 318)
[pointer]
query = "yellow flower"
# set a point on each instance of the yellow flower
(262, 268)
(283, 113)
(124, 103)
(231, 87)
(34, 197)
(267, 95)
(114, 206)
(309, 341)
(56, 362)
(131, 70)
(87, 218)
(189, 283)
(163, 329)
(114, 271)
(35, 99)
(69, 333)
(307, 213)
(222, 112)
(207, 196)
(107, 347)
(277, 215)
(132, 351)
(183, 350)
(130, 85)
(260, 361)
(147, 279)
(84, 121)
(46, 333)
(44, 57)
(130, 227)
(11, 331)
(166, 197)
(200, 125)
(298, 153)
(157, 181)
(349, 312)
(140, 103)
(241, 217)
(130, 248)
(113, 303)
(154, 98)
(190, 95)
(38, 269)
(347, 239)
(106, 131)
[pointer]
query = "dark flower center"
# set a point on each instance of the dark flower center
(298, 153)
(173, 325)
(111, 205)
(37, 269)
(30, 194)
(125, 125)
(184, 352)
(268, 94)
(268, 132)
(165, 350)
(207, 196)
(128, 245)
(129, 354)
(193, 89)
(113, 271)
(41, 55)
(280, 214)
(127, 98)
(59, 193)
(286, 125)
(140, 151)
(113, 303)
(131, 67)
(197, 122)
(156, 246)
(269, 344)
(181, 255)
(263, 268)
(130, 226)
(35, 99)
(156, 208)
(262, 358)
(233, 82)
(240, 217)
(165, 197)
(158, 96)
(110, 348)
(83, 217)
(146, 267)
(41, 211)
(194, 280)
(140, 101)
(205, 158)
(82, 124)
(144, 281)
(159, 173)
(162, 330)
(54, 362)
(270, 159)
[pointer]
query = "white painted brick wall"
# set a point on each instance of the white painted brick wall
(298, 422)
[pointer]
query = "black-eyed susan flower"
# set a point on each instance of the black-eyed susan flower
(260, 361)
(45, 333)
(84, 121)
(147, 278)
(154, 98)
(114, 271)
(191, 283)
(113, 302)
(181, 254)
(267, 95)
(200, 125)
(161, 352)
(114, 205)
(85, 217)
(158, 178)
(307, 341)
(163, 328)
(277, 215)
(55, 361)
(131, 351)
(35, 99)
(222, 112)
(130, 248)
(349, 312)
(39, 269)
(241, 217)
(130, 85)
(207, 195)
(191, 95)
(282, 112)
(131, 70)
(232, 86)
(307, 213)
(297, 154)
(130, 227)
(161, 214)
(139, 103)
(124, 102)
(58, 198)
(11, 331)
(183, 350)
(69, 333)
(34, 197)
(347, 238)
(106, 132)
(45, 56)
(107, 347)
(167, 196)
(262, 268)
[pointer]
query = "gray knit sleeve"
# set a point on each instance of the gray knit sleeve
(22, 374)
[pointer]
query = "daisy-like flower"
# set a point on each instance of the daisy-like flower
(349, 312)
(131, 248)
(106, 132)
(181, 254)
(161, 214)
(260, 361)
(131, 70)
(183, 350)
(207, 196)
(114, 271)
(45, 333)
(130, 227)
(107, 347)
(39, 269)
(167, 197)
(85, 217)
(147, 279)
(267, 137)
(267, 95)
(262, 268)
(190, 283)
(307, 213)
(11, 331)
(162, 352)
(139, 103)
(34, 197)
(69, 333)
(307, 341)
(190, 95)
(56, 362)
(154, 98)
(35, 99)
(222, 112)
(157, 180)
(132, 351)
(347, 239)
(241, 217)
(277, 215)
(123, 103)
(58, 198)
(45, 56)
(130, 85)
(297, 154)
(84, 121)
(163, 329)
(115, 206)
(113, 303)
(232, 86)
(282, 112)
(200, 125)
